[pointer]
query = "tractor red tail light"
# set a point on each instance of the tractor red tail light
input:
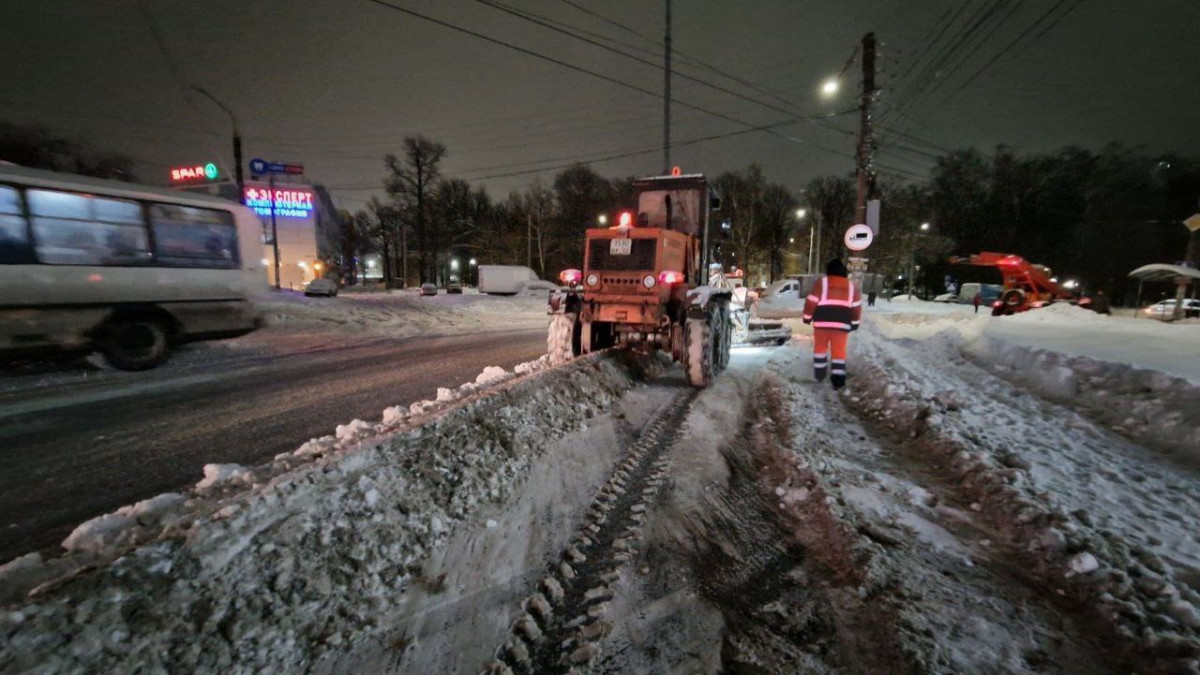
(625, 219)
(667, 278)
(570, 277)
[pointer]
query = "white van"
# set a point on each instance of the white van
(504, 279)
(123, 268)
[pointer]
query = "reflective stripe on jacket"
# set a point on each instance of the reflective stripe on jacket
(835, 303)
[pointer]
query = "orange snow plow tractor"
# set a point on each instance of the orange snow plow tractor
(645, 284)
(1026, 285)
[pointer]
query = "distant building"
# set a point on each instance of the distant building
(302, 212)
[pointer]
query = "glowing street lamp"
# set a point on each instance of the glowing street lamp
(472, 262)
(800, 213)
(924, 227)
(602, 219)
(830, 87)
(454, 264)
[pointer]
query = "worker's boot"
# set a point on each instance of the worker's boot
(820, 366)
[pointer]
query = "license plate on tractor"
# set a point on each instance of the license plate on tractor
(620, 246)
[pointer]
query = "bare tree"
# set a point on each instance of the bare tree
(411, 184)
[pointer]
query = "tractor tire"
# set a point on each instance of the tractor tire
(706, 346)
(726, 332)
(1013, 298)
(134, 343)
(563, 340)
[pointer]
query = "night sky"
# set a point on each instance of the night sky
(335, 84)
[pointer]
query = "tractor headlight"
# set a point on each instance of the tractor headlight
(649, 281)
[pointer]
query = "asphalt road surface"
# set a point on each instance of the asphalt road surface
(78, 449)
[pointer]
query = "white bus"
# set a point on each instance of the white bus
(129, 270)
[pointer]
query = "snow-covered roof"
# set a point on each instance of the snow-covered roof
(1163, 272)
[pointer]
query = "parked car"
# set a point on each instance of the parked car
(326, 287)
(454, 288)
(428, 289)
(1165, 309)
(946, 297)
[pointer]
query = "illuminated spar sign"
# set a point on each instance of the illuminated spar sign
(289, 203)
(195, 174)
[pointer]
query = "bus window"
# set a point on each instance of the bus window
(185, 236)
(14, 236)
(73, 229)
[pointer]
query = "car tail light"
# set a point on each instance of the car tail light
(668, 277)
(570, 277)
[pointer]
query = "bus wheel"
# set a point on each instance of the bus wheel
(134, 343)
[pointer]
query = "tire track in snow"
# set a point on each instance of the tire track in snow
(563, 622)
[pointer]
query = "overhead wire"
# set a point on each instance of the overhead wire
(1021, 37)
(691, 60)
(601, 76)
(653, 64)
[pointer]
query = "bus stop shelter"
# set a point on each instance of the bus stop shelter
(1181, 275)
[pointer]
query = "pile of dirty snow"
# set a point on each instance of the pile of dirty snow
(273, 566)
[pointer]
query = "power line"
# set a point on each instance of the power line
(691, 60)
(928, 75)
(601, 76)
(652, 64)
(1020, 37)
(980, 43)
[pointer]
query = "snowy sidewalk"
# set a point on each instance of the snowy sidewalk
(1172, 348)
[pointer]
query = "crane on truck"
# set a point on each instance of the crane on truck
(646, 283)
(1026, 285)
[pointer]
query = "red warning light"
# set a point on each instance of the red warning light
(625, 219)
(676, 171)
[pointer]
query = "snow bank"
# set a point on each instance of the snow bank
(301, 562)
(1138, 377)
(1150, 406)
(1096, 523)
(399, 313)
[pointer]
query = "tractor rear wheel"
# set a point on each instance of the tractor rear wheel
(726, 333)
(706, 345)
(564, 341)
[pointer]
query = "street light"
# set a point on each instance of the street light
(237, 141)
(924, 227)
(602, 219)
(830, 87)
(472, 262)
(454, 264)
(800, 213)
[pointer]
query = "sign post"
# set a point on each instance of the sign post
(259, 167)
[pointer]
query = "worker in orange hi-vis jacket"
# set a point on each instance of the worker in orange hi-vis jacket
(834, 308)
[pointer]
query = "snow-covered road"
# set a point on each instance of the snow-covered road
(82, 447)
(952, 511)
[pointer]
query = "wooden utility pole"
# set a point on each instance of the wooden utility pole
(667, 94)
(866, 141)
